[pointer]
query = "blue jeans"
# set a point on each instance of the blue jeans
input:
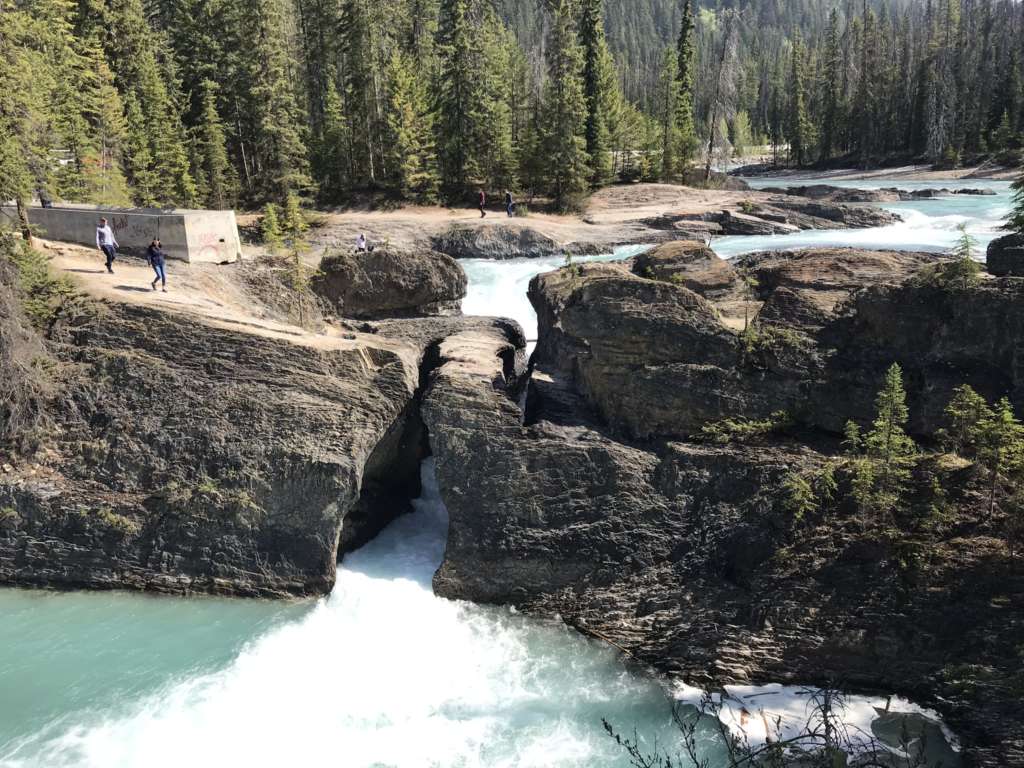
(110, 253)
(161, 275)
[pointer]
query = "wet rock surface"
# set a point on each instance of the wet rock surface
(391, 283)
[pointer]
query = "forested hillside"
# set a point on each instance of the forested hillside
(225, 102)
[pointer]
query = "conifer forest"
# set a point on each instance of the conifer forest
(218, 103)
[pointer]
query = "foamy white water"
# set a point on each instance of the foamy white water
(498, 288)
(928, 225)
(381, 673)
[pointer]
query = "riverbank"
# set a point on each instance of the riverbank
(615, 216)
(906, 173)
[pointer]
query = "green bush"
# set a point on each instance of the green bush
(741, 429)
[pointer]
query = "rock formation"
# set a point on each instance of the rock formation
(193, 457)
(391, 283)
(605, 505)
(1006, 256)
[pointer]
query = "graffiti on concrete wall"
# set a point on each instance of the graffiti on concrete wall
(211, 246)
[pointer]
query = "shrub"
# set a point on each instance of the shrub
(742, 429)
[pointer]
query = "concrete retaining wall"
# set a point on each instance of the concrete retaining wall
(194, 236)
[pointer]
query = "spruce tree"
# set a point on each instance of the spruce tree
(598, 85)
(565, 107)
(410, 136)
(887, 443)
(800, 128)
(456, 105)
(1001, 446)
(218, 175)
(1015, 221)
(281, 164)
(686, 134)
(830, 116)
(666, 115)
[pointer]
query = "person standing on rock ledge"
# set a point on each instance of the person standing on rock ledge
(510, 204)
(482, 199)
(107, 243)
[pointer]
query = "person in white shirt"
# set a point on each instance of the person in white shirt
(361, 243)
(107, 243)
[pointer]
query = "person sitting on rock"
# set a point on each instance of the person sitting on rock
(158, 261)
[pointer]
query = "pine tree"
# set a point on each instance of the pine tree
(830, 117)
(331, 154)
(1001, 446)
(157, 160)
(457, 106)
(280, 164)
(800, 128)
(965, 413)
(666, 116)
(270, 227)
(887, 444)
(218, 176)
(565, 106)
(685, 132)
(410, 137)
(361, 90)
(598, 86)
(1015, 221)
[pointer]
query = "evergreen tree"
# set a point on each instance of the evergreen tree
(280, 164)
(598, 85)
(1001, 446)
(410, 138)
(965, 413)
(666, 116)
(830, 116)
(457, 107)
(800, 128)
(887, 444)
(157, 161)
(565, 105)
(685, 132)
(219, 182)
(1015, 221)
(270, 227)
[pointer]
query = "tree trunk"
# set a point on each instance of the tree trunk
(23, 223)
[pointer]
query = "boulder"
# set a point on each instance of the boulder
(391, 283)
(1005, 256)
(734, 223)
(688, 263)
(818, 214)
(500, 241)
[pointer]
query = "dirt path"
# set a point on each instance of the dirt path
(212, 294)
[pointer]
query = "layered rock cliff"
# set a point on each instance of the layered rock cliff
(607, 502)
(186, 454)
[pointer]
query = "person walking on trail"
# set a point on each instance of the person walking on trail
(107, 243)
(158, 261)
(510, 204)
(483, 202)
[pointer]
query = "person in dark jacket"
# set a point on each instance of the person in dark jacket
(510, 204)
(158, 261)
(483, 201)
